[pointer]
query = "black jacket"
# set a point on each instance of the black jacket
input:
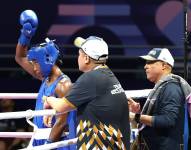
(168, 111)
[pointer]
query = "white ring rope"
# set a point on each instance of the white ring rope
(129, 93)
(137, 93)
(26, 114)
(18, 95)
(53, 145)
(30, 113)
(16, 134)
(42, 134)
(38, 132)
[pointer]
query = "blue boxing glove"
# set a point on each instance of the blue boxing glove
(29, 22)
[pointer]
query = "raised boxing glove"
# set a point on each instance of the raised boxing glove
(29, 22)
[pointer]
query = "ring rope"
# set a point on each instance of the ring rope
(27, 114)
(129, 93)
(53, 145)
(18, 95)
(16, 134)
(42, 132)
(30, 114)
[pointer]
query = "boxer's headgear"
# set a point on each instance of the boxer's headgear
(46, 55)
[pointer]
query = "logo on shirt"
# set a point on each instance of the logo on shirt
(117, 89)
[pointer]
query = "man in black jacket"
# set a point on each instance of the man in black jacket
(161, 120)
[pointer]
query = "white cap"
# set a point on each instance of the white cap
(93, 46)
(162, 54)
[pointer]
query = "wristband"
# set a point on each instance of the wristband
(137, 118)
(23, 40)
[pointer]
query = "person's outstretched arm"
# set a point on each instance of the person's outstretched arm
(29, 23)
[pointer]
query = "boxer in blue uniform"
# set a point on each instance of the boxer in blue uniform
(42, 63)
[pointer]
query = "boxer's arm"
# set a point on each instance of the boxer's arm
(21, 59)
(29, 23)
(61, 90)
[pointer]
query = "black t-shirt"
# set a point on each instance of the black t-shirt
(103, 115)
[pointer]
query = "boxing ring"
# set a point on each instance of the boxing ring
(44, 133)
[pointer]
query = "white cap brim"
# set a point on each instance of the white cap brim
(148, 57)
(79, 41)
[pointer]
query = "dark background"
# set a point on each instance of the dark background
(130, 27)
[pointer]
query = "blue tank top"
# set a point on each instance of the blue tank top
(47, 90)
